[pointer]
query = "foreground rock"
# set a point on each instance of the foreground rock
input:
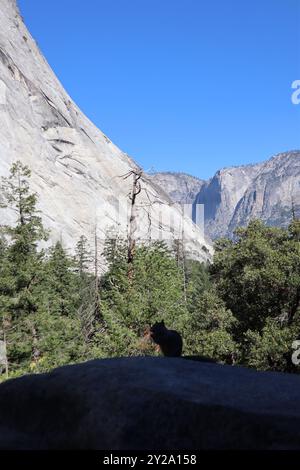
(151, 403)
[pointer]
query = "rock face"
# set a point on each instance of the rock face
(182, 188)
(221, 195)
(151, 403)
(236, 195)
(76, 170)
(273, 193)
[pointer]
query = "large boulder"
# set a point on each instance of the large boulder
(151, 403)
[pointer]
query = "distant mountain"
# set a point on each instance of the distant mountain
(221, 195)
(273, 193)
(236, 195)
(181, 187)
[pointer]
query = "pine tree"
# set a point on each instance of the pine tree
(22, 265)
(61, 282)
(58, 321)
(82, 256)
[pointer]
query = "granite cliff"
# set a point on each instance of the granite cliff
(182, 188)
(76, 170)
(233, 196)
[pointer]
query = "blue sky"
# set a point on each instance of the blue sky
(180, 85)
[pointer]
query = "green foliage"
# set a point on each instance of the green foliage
(258, 274)
(15, 194)
(37, 292)
(22, 260)
(244, 308)
(47, 298)
(83, 256)
(258, 277)
(271, 349)
(59, 285)
(154, 292)
(209, 328)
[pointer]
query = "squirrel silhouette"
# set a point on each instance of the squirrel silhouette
(169, 341)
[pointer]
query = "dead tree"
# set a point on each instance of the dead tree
(86, 313)
(96, 274)
(35, 341)
(183, 261)
(135, 191)
(3, 356)
(153, 199)
(6, 324)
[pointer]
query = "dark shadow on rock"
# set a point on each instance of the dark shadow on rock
(151, 403)
(199, 359)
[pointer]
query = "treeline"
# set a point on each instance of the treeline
(244, 308)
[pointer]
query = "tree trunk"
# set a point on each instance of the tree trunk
(136, 189)
(96, 274)
(35, 351)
